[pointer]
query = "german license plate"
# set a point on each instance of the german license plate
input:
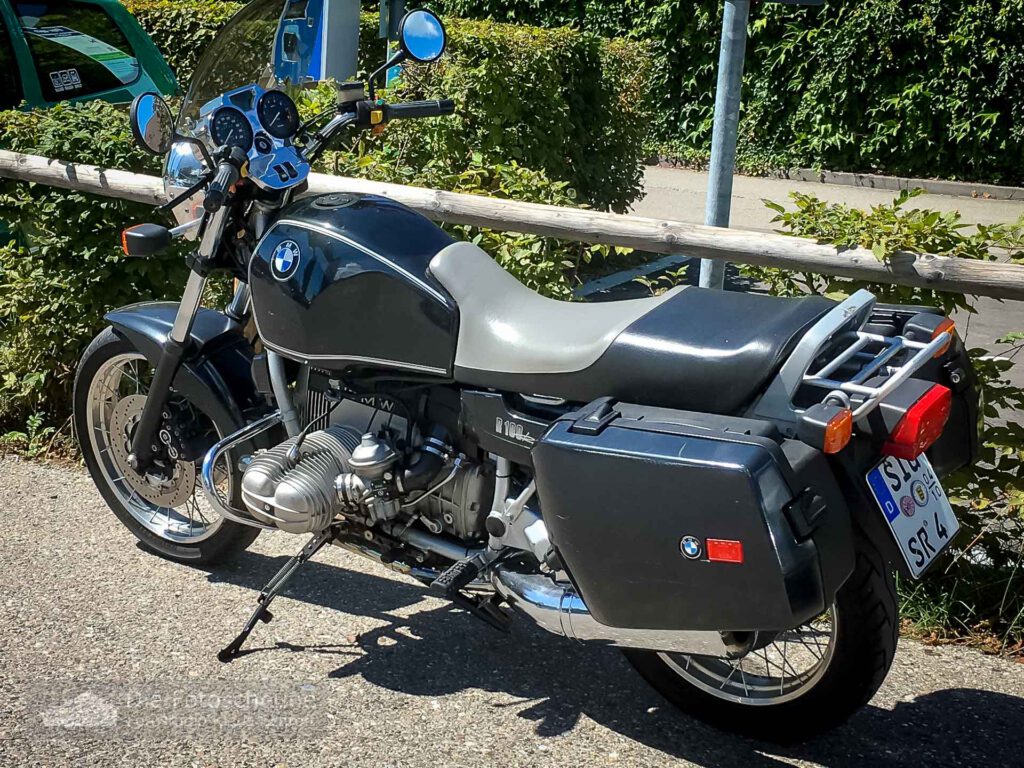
(916, 508)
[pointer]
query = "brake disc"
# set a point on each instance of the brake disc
(164, 491)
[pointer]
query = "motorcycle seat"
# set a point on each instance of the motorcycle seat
(690, 348)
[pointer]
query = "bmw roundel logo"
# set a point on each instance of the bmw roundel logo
(690, 547)
(285, 260)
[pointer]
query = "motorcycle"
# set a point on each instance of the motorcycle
(720, 484)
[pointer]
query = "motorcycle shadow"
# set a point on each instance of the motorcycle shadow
(439, 651)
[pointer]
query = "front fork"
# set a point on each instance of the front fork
(145, 442)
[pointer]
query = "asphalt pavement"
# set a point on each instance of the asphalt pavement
(108, 658)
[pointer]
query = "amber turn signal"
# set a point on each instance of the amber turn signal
(838, 431)
(946, 326)
(826, 426)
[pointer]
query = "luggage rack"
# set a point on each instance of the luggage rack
(892, 347)
(846, 320)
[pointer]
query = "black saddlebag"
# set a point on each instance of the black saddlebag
(650, 508)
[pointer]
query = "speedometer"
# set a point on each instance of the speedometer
(278, 114)
(229, 127)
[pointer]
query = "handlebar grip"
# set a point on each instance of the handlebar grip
(413, 109)
(217, 193)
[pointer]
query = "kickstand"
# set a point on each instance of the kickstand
(273, 588)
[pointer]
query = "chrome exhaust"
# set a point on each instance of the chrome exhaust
(558, 609)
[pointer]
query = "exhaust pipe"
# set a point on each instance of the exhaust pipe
(561, 611)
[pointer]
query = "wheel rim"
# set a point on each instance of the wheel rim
(783, 670)
(173, 509)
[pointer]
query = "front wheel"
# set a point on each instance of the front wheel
(804, 681)
(165, 508)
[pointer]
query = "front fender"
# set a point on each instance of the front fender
(216, 372)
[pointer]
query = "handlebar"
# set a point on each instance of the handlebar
(412, 109)
(228, 174)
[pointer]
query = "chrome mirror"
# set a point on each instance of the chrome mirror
(422, 36)
(152, 123)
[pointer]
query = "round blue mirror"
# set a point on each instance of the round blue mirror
(422, 36)
(152, 123)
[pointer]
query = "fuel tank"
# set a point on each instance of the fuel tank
(340, 281)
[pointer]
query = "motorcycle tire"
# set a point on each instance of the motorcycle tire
(866, 630)
(225, 538)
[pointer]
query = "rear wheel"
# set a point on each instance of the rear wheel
(165, 508)
(799, 683)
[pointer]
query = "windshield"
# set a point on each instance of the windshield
(244, 54)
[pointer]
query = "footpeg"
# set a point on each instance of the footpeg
(460, 575)
(456, 578)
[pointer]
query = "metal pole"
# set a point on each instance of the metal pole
(723, 140)
(396, 10)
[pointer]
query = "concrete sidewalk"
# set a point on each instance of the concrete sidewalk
(674, 193)
(679, 194)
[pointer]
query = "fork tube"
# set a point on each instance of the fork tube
(144, 443)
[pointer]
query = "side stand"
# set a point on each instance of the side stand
(273, 588)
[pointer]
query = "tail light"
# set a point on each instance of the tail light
(921, 425)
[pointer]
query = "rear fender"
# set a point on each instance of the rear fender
(850, 469)
(215, 374)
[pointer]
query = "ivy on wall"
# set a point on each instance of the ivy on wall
(914, 87)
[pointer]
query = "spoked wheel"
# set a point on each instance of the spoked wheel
(793, 685)
(775, 670)
(165, 508)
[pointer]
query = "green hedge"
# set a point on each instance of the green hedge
(915, 87)
(64, 267)
(570, 104)
(182, 29)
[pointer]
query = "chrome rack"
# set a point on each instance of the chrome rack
(892, 347)
(845, 320)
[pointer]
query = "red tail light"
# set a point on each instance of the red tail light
(921, 425)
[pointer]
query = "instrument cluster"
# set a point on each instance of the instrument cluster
(263, 124)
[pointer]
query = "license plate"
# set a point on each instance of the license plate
(916, 508)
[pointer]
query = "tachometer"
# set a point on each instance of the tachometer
(229, 127)
(278, 114)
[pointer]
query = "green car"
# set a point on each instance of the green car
(76, 50)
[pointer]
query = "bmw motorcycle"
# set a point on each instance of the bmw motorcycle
(722, 485)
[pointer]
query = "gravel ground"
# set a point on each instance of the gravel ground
(108, 658)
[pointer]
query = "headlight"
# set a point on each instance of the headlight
(183, 169)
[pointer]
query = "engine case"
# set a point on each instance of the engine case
(461, 506)
(300, 498)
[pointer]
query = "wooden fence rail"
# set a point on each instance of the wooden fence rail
(980, 278)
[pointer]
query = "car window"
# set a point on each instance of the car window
(10, 81)
(77, 49)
